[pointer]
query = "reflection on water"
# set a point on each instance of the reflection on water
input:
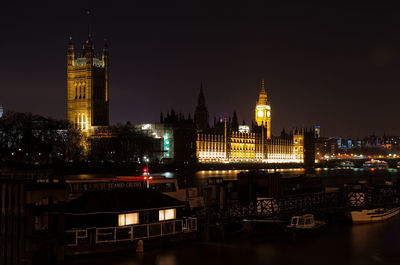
(338, 244)
(232, 174)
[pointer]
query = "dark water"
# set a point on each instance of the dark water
(338, 244)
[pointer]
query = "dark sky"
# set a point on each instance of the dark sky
(334, 63)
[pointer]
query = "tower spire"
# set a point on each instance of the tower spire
(262, 99)
(70, 52)
(201, 112)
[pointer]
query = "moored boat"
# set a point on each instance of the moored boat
(305, 224)
(346, 164)
(373, 215)
(375, 164)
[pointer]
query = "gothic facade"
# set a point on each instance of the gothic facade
(224, 142)
(87, 86)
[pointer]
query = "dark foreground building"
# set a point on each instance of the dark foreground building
(32, 221)
(43, 219)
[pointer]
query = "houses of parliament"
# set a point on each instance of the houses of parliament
(181, 139)
(227, 141)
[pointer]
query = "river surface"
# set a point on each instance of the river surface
(338, 244)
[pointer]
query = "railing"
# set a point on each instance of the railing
(313, 202)
(129, 233)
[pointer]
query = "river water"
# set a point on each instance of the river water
(338, 244)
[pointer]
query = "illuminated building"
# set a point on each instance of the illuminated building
(87, 87)
(165, 136)
(263, 111)
(211, 147)
(1, 111)
(243, 147)
(317, 131)
(248, 147)
(226, 142)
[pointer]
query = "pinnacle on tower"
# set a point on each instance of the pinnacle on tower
(70, 52)
(201, 112)
(200, 99)
(262, 99)
(105, 47)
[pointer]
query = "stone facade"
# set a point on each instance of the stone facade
(87, 87)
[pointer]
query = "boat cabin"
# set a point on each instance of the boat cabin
(111, 208)
(113, 216)
(304, 221)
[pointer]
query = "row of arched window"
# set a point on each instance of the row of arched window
(80, 91)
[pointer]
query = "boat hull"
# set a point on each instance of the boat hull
(373, 216)
(305, 231)
(263, 227)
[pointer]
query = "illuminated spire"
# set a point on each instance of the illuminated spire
(262, 99)
(70, 52)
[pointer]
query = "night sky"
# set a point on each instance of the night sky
(335, 63)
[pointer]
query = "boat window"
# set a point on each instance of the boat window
(167, 214)
(301, 221)
(308, 221)
(128, 219)
(294, 221)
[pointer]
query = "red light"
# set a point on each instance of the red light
(145, 178)
(145, 170)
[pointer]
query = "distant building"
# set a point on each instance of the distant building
(87, 87)
(1, 111)
(165, 136)
(184, 140)
(179, 137)
(227, 142)
(317, 131)
(348, 144)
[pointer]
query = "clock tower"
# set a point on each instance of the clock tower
(263, 111)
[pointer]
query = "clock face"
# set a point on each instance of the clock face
(260, 113)
(268, 114)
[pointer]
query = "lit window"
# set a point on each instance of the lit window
(167, 214)
(128, 219)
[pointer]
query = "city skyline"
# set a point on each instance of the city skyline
(328, 73)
